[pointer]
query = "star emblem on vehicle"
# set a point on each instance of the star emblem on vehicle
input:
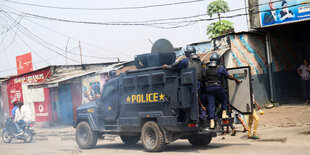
(128, 99)
(161, 96)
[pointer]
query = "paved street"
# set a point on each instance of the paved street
(278, 136)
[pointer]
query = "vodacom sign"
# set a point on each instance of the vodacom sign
(40, 110)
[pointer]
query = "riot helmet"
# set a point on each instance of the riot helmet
(189, 50)
(214, 60)
(194, 56)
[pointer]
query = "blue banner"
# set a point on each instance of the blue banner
(273, 12)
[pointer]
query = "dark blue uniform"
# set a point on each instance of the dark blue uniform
(179, 65)
(215, 90)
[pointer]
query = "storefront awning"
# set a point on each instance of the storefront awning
(54, 82)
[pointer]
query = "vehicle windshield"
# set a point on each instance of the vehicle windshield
(107, 89)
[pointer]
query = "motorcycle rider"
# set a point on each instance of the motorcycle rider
(14, 109)
(22, 116)
(214, 89)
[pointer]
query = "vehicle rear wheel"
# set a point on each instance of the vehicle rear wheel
(28, 136)
(200, 140)
(85, 137)
(6, 136)
(130, 139)
(152, 137)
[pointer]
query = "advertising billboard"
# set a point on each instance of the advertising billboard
(273, 12)
(24, 63)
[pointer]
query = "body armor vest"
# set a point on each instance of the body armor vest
(211, 74)
(196, 63)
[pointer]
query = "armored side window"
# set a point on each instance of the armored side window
(187, 78)
(143, 80)
(159, 78)
(108, 89)
(129, 81)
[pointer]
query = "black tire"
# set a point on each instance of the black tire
(152, 137)
(28, 136)
(85, 137)
(200, 140)
(130, 140)
(6, 136)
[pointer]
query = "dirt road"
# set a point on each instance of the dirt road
(283, 130)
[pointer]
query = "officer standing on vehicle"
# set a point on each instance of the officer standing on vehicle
(192, 60)
(214, 89)
(179, 65)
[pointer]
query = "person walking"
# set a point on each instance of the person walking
(304, 72)
(253, 121)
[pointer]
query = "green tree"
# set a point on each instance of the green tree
(217, 7)
(219, 28)
(222, 26)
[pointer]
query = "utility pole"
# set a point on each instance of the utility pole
(80, 51)
(151, 41)
(67, 51)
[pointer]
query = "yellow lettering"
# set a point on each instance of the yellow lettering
(155, 97)
(133, 98)
(150, 94)
(138, 98)
(143, 101)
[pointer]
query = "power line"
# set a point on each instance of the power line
(89, 56)
(28, 45)
(156, 25)
(38, 42)
(67, 36)
(105, 9)
(185, 17)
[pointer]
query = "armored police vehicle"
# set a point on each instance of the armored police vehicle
(155, 105)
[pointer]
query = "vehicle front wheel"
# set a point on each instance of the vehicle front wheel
(130, 140)
(152, 137)
(6, 136)
(200, 140)
(85, 137)
(28, 136)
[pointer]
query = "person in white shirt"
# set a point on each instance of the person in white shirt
(22, 116)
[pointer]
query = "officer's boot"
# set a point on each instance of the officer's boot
(212, 123)
(224, 115)
(204, 125)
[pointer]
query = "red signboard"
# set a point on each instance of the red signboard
(24, 63)
(14, 85)
(42, 109)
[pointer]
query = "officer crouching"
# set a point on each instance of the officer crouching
(214, 89)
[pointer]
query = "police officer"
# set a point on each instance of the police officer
(192, 60)
(214, 73)
(179, 65)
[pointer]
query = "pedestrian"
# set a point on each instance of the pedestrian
(253, 121)
(304, 72)
(238, 116)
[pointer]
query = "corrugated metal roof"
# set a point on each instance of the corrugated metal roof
(204, 57)
(54, 81)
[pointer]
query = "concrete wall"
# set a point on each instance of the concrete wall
(249, 49)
